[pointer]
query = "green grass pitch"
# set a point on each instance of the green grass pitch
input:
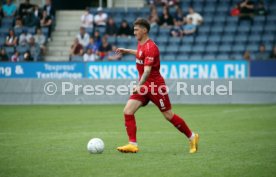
(50, 141)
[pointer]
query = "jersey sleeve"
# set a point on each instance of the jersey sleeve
(150, 54)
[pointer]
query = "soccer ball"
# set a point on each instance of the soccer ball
(95, 146)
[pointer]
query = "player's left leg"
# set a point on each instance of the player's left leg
(181, 125)
(162, 101)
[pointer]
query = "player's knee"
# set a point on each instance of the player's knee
(128, 111)
(168, 115)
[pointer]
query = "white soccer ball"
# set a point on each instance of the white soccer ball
(95, 146)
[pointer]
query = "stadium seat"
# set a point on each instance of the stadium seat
(128, 58)
(162, 39)
(198, 49)
(225, 48)
(18, 31)
(254, 38)
(112, 39)
(77, 58)
(31, 30)
(252, 47)
(169, 57)
(172, 49)
(4, 31)
(196, 57)
(174, 40)
(182, 56)
(9, 50)
(201, 39)
(21, 49)
(185, 49)
(45, 31)
(268, 38)
(209, 57)
(212, 48)
(238, 48)
(222, 57)
(227, 39)
(214, 39)
(7, 22)
(2, 41)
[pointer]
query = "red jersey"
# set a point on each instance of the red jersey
(148, 55)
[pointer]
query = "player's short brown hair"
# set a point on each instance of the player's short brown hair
(142, 22)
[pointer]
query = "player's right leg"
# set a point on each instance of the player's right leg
(131, 107)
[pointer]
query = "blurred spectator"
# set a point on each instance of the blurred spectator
(50, 10)
(260, 8)
(176, 30)
(273, 53)
(25, 8)
(105, 48)
(3, 55)
(247, 56)
(34, 49)
(111, 27)
(246, 8)
(15, 57)
(40, 39)
(11, 39)
(178, 15)
(30, 20)
(101, 17)
(27, 56)
(262, 55)
(18, 23)
(9, 9)
(153, 18)
(189, 28)
(196, 17)
(166, 19)
(124, 29)
(83, 37)
(46, 21)
(92, 45)
(113, 56)
(24, 37)
(37, 12)
(76, 48)
(90, 55)
(87, 19)
(97, 38)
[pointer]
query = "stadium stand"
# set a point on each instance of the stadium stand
(221, 36)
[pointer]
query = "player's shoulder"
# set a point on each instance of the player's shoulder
(151, 45)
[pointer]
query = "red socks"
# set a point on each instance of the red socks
(130, 124)
(179, 123)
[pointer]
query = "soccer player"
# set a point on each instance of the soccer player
(151, 87)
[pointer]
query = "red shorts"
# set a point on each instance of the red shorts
(161, 100)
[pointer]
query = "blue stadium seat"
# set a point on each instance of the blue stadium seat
(252, 47)
(217, 29)
(205, 29)
(268, 38)
(241, 38)
(198, 49)
(172, 49)
(9, 50)
(185, 49)
(22, 49)
(230, 29)
(224, 56)
(209, 57)
(77, 58)
(257, 29)
(182, 57)
(128, 58)
(112, 39)
(201, 39)
(4, 31)
(31, 30)
(123, 40)
(227, 39)
(2, 41)
(196, 57)
(225, 48)
(254, 38)
(214, 39)
(236, 56)
(174, 40)
(89, 30)
(169, 57)
(7, 22)
(238, 48)
(243, 29)
(162, 40)
(212, 48)
(188, 39)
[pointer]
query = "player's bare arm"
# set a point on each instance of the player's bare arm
(126, 51)
(144, 77)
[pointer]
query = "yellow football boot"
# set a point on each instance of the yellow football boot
(194, 144)
(129, 148)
